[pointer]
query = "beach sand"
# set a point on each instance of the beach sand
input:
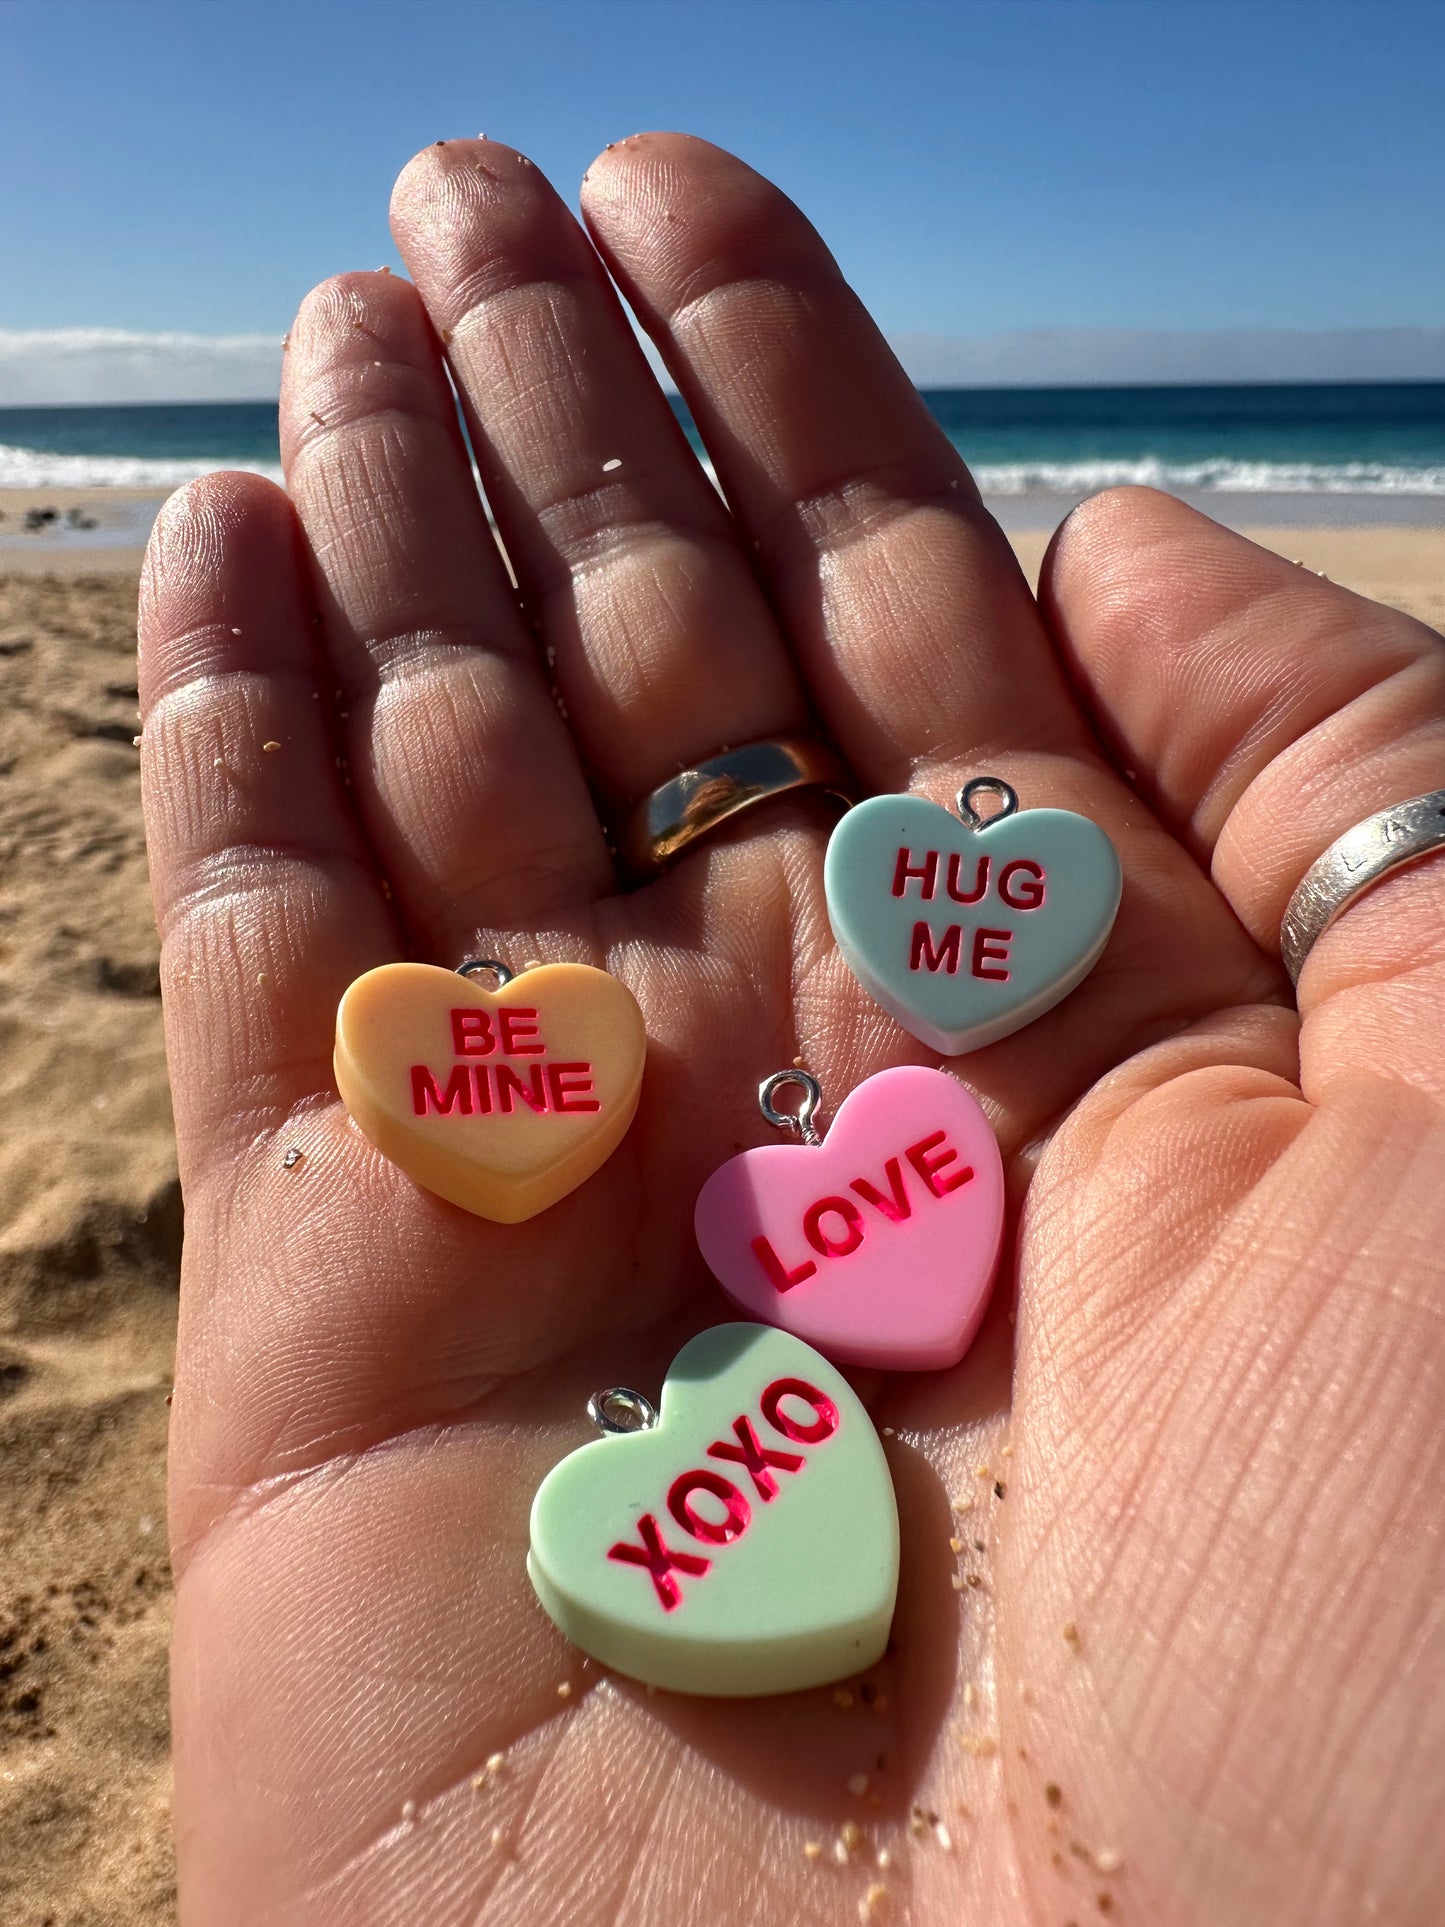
(89, 1245)
(90, 1231)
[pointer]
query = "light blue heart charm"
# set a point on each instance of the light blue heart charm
(967, 928)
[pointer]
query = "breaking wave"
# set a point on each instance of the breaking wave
(1218, 473)
(43, 468)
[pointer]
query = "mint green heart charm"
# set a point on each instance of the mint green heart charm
(967, 928)
(744, 1542)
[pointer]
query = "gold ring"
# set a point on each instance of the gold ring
(666, 824)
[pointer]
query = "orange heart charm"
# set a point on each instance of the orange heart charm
(501, 1101)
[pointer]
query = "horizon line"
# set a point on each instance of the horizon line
(100, 367)
(922, 387)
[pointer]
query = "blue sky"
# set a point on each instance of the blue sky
(978, 168)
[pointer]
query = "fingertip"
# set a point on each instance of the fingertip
(222, 550)
(417, 182)
(661, 148)
(1098, 536)
(215, 500)
(635, 187)
(361, 341)
(618, 156)
(475, 218)
(445, 181)
(198, 525)
(675, 217)
(346, 301)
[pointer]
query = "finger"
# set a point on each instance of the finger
(1267, 711)
(919, 640)
(912, 623)
(267, 897)
(464, 773)
(662, 642)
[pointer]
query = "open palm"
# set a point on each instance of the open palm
(1169, 1634)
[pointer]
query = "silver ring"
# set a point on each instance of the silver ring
(799, 1122)
(1008, 801)
(475, 965)
(1354, 863)
(619, 1409)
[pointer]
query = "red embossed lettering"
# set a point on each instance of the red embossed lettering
(510, 1087)
(779, 1277)
(687, 1493)
(925, 873)
(717, 1532)
(896, 1207)
(1028, 894)
(991, 947)
(660, 1560)
(518, 1023)
(756, 1457)
(823, 1424)
(928, 1160)
(472, 1033)
(924, 955)
(817, 1236)
(456, 1097)
(980, 879)
(574, 1095)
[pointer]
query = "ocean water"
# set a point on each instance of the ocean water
(1377, 438)
(1384, 439)
(139, 446)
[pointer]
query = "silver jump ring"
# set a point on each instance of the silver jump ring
(474, 965)
(1354, 863)
(987, 785)
(799, 1122)
(620, 1409)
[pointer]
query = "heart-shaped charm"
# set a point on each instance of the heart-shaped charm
(877, 1245)
(966, 930)
(745, 1543)
(501, 1101)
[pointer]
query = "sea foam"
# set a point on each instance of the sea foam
(41, 468)
(1217, 473)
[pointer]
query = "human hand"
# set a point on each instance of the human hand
(1197, 1680)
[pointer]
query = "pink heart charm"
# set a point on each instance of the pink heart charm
(879, 1245)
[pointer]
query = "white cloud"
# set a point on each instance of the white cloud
(1064, 357)
(94, 365)
(99, 365)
